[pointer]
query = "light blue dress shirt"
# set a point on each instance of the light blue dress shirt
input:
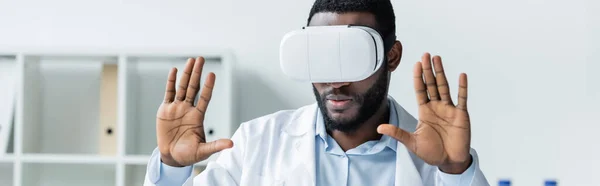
(371, 163)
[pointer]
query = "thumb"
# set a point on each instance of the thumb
(212, 147)
(404, 137)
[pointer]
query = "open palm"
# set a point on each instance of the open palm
(180, 124)
(443, 134)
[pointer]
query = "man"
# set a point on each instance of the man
(354, 135)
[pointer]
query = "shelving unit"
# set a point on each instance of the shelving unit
(59, 138)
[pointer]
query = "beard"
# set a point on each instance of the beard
(368, 103)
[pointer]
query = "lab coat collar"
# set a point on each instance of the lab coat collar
(301, 129)
(406, 170)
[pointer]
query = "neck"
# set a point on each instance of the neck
(366, 132)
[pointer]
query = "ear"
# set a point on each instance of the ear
(394, 56)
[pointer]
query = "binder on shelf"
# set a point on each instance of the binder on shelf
(108, 110)
(6, 125)
(7, 101)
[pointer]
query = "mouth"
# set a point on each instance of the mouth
(337, 102)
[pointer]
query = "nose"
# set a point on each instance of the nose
(338, 85)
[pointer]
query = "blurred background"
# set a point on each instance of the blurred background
(534, 89)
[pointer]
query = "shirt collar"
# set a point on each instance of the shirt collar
(385, 139)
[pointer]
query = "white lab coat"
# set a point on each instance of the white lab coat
(279, 149)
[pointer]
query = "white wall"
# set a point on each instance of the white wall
(530, 63)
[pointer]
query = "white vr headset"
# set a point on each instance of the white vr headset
(325, 54)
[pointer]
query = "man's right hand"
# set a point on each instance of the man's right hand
(180, 124)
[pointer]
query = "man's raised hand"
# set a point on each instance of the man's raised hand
(180, 123)
(443, 134)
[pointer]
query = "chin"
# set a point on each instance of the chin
(342, 116)
(341, 121)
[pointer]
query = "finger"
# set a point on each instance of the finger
(462, 92)
(170, 90)
(442, 82)
(206, 93)
(207, 149)
(420, 90)
(185, 78)
(429, 77)
(194, 85)
(404, 137)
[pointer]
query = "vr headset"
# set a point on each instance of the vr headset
(327, 54)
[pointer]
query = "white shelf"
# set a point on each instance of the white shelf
(67, 159)
(8, 158)
(82, 159)
(136, 159)
(58, 136)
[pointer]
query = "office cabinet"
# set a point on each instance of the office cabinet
(88, 117)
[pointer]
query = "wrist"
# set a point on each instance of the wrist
(168, 160)
(456, 167)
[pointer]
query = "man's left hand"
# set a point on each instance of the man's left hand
(443, 135)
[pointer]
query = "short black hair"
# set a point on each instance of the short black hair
(381, 9)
